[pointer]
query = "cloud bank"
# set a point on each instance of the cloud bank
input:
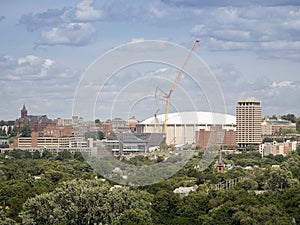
(277, 97)
(44, 85)
(66, 26)
(270, 29)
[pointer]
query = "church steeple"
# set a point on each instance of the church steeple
(220, 166)
(23, 111)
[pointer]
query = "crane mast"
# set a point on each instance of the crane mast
(167, 96)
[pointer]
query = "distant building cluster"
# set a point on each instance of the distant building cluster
(253, 131)
(275, 148)
(275, 126)
(67, 133)
(184, 130)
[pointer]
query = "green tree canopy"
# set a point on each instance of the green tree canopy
(279, 179)
(46, 154)
(26, 131)
(298, 125)
(290, 117)
(83, 202)
(94, 134)
(4, 220)
(100, 135)
(134, 217)
(63, 155)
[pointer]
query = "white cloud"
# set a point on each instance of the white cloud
(7, 60)
(65, 26)
(136, 40)
(276, 97)
(215, 44)
(281, 45)
(68, 34)
(85, 11)
(203, 3)
(199, 29)
(31, 67)
(283, 84)
(157, 12)
(39, 81)
(51, 17)
(224, 26)
(162, 70)
(270, 32)
(30, 59)
(12, 77)
(42, 84)
(48, 63)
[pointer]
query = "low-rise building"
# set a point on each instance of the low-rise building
(75, 120)
(3, 142)
(120, 125)
(184, 191)
(58, 131)
(277, 148)
(125, 143)
(49, 142)
(272, 126)
(225, 136)
(128, 143)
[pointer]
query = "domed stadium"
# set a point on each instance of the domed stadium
(182, 126)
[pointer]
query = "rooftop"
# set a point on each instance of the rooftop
(193, 118)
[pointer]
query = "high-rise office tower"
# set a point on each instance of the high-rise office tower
(248, 123)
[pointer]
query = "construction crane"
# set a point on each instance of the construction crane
(168, 95)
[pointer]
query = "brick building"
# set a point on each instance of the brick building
(272, 127)
(36, 123)
(35, 141)
(216, 135)
(55, 130)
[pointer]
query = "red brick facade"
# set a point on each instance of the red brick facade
(203, 137)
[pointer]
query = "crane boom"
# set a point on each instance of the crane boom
(175, 84)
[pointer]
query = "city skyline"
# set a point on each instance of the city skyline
(253, 48)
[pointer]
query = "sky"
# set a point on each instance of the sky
(46, 48)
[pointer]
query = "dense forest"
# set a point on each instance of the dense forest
(64, 189)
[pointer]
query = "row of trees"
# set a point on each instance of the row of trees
(46, 154)
(67, 193)
(7, 123)
(90, 202)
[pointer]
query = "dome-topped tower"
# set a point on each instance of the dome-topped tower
(23, 111)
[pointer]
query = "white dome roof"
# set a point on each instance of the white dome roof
(194, 118)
